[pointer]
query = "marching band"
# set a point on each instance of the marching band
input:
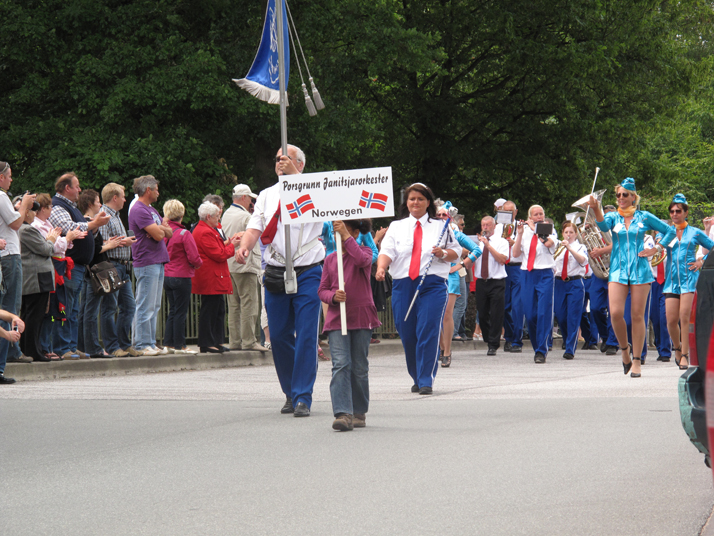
(528, 276)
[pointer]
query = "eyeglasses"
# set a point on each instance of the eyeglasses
(675, 211)
(277, 158)
(622, 194)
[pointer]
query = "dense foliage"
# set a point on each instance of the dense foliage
(478, 98)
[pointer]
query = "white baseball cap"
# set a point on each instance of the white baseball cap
(243, 189)
(499, 202)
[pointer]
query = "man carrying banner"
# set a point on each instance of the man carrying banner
(293, 318)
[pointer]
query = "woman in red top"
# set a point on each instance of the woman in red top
(212, 279)
(184, 259)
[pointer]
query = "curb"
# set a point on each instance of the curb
(120, 366)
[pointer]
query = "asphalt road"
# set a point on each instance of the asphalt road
(503, 447)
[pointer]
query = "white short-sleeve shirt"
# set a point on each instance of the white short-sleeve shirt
(265, 207)
(398, 244)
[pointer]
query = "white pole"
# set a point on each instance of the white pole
(341, 282)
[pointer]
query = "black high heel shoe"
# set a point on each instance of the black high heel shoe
(683, 367)
(635, 374)
(627, 366)
(675, 357)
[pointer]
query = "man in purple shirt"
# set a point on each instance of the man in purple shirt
(150, 255)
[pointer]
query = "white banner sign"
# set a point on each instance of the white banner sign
(337, 195)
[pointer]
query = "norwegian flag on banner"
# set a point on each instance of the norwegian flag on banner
(300, 206)
(373, 200)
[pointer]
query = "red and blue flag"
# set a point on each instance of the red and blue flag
(373, 200)
(300, 206)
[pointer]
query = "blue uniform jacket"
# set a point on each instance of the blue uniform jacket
(680, 279)
(626, 266)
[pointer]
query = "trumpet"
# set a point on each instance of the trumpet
(559, 250)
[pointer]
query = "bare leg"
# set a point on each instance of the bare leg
(448, 328)
(685, 311)
(671, 306)
(618, 294)
(638, 303)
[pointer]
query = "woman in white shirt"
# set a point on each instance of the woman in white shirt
(569, 289)
(408, 248)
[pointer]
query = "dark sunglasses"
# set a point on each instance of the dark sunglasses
(622, 194)
(676, 211)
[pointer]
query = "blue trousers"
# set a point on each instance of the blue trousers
(420, 332)
(659, 321)
(10, 302)
(587, 324)
(294, 321)
(600, 311)
(513, 313)
(568, 303)
(537, 302)
(349, 388)
(66, 334)
(460, 308)
(628, 321)
(118, 309)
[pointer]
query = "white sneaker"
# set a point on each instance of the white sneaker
(149, 351)
(187, 350)
(160, 351)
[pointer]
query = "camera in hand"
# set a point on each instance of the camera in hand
(544, 230)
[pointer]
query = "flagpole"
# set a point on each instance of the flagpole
(341, 282)
(290, 282)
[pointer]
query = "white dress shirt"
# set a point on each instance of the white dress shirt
(544, 255)
(496, 270)
(498, 231)
(398, 243)
(574, 267)
(265, 207)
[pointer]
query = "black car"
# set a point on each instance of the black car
(694, 390)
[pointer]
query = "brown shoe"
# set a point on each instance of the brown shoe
(69, 356)
(133, 352)
(257, 347)
(343, 422)
(120, 353)
(358, 421)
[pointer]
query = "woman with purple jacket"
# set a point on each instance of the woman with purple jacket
(183, 261)
(349, 388)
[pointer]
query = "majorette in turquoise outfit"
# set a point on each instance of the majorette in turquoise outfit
(681, 254)
(626, 266)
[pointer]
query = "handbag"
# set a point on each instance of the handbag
(104, 278)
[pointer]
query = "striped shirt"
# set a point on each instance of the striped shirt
(115, 227)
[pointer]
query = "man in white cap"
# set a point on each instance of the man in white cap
(498, 204)
(243, 308)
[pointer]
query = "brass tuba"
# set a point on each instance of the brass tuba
(658, 258)
(590, 235)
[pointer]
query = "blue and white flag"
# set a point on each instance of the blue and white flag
(262, 80)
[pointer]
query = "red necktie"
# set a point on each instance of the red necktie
(660, 273)
(416, 252)
(484, 262)
(564, 273)
(532, 253)
(270, 229)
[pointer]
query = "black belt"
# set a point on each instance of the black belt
(514, 263)
(125, 263)
(574, 278)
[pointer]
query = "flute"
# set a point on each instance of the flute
(431, 259)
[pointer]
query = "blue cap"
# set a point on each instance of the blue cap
(447, 205)
(629, 184)
(679, 198)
